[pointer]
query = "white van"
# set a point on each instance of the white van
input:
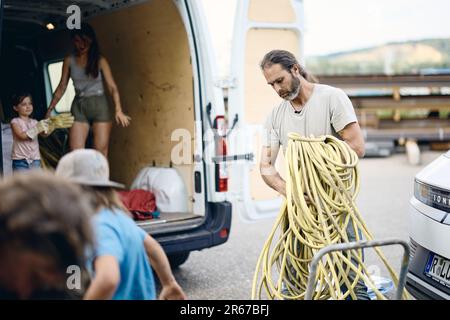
(163, 62)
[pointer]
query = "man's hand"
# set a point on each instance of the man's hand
(172, 291)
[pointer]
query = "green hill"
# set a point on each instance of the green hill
(392, 58)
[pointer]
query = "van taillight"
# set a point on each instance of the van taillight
(223, 233)
(221, 151)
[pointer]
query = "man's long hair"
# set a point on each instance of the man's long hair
(287, 61)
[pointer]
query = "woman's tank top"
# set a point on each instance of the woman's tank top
(85, 86)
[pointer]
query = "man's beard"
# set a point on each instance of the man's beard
(294, 91)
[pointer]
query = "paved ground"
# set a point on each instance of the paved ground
(226, 272)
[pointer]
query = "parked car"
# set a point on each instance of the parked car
(429, 270)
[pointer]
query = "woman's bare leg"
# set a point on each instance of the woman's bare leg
(102, 132)
(78, 135)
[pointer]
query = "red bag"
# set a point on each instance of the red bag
(138, 200)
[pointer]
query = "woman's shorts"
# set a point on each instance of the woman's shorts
(91, 109)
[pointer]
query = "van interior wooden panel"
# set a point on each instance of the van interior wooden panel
(260, 98)
(148, 51)
(271, 11)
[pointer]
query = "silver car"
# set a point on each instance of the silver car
(429, 270)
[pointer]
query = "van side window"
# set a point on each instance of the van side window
(54, 72)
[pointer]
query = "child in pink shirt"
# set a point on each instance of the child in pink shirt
(25, 151)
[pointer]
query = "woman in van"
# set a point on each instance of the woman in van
(87, 69)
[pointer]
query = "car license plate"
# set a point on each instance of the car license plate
(438, 268)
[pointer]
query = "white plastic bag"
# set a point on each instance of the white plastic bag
(167, 185)
(384, 285)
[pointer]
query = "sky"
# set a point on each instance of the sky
(352, 24)
(340, 25)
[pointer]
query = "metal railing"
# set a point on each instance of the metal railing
(359, 245)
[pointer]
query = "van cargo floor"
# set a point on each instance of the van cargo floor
(167, 217)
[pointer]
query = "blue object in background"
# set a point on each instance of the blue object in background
(384, 285)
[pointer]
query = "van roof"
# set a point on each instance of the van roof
(30, 17)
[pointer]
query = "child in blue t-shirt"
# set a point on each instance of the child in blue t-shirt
(120, 262)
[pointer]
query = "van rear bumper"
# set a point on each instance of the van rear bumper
(214, 231)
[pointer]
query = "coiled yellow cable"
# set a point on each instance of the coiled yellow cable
(325, 170)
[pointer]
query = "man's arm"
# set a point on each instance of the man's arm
(268, 172)
(353, 136)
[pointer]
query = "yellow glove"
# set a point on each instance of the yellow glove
(63, 120)
(41, 126)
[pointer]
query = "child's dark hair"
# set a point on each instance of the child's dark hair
(17, 98)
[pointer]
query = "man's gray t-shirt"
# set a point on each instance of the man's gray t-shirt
(327, 111)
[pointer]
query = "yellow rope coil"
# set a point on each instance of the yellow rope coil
(325, 170)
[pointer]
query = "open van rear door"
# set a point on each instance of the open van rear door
(209, 98)
(1, 106)
(260, 26)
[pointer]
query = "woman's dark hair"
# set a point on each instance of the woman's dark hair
(287, 61)
(17, 98)
(86, 31)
